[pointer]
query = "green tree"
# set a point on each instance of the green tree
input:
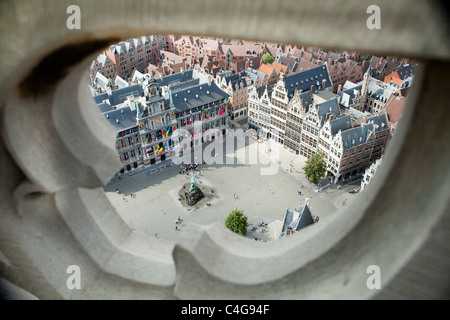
(315, 168)
(237, 221)
(267, 58)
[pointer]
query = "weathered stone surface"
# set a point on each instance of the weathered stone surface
(54, 142)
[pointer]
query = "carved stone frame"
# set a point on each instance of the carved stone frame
(57, 152)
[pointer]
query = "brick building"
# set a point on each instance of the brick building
(236, 85)
(134, 54)
(146, 114)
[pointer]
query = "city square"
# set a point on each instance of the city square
(344, 101)
(149, 202)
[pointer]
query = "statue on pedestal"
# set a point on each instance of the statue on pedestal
(194, 194)
(193, 183)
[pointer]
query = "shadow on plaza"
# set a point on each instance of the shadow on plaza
(132, 184)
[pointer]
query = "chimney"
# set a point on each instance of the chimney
(311, 90)
(209, 80)
(339, 88)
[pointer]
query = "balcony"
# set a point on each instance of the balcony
(128, 147)
(158, 127)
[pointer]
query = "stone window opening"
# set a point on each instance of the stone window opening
(61, 193)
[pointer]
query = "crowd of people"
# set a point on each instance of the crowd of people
(189, 167)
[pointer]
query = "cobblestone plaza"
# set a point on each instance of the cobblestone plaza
(155, 207)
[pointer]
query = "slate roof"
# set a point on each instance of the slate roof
(324, 108)
(238, 83)
(342, 124)
(184, 85)
(307, 99)
(237, 79)
(379, 93)
(104, 107)
(101, 97)
(346, 97)
(380, 122)
(255, 74)
(260, 91)
(304, 80)
(405, 71)
(190, 94)
(121, 119)
(325, 95)
(118, 96)
(356, 115)
(175, 78)
(234, 76)
(297, 220)
(356, 136)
